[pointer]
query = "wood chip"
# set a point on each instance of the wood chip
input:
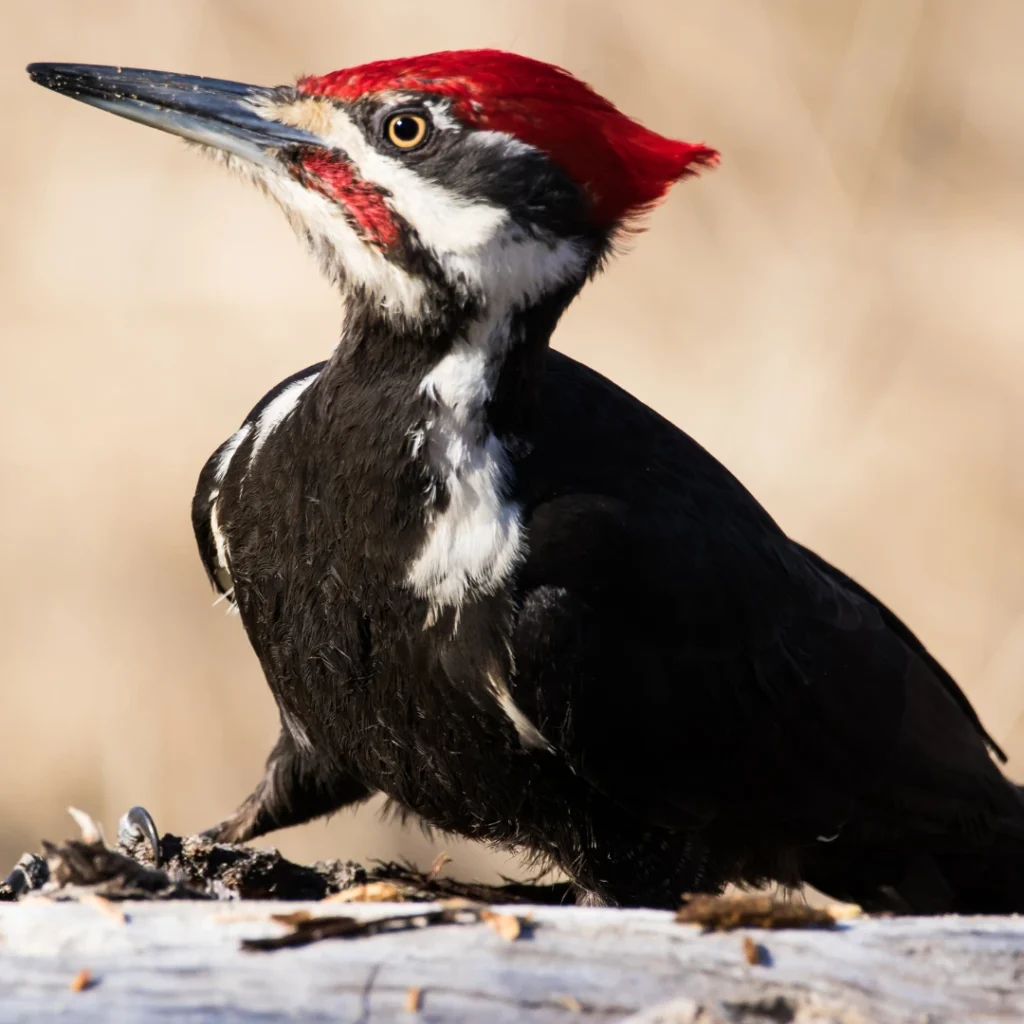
(91, 831)
(233, 917)
(296, 917)
(82, 981)
(460, 903)
(414, 999)
(372, 892)
(845, 911)
(438, 866)
(753, 953)
(104, 906)
(318, 928)
(571, 1003)
(725, 913)
(508, 926)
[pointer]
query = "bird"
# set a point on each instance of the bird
(485, 581)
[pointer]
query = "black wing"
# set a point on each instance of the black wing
(204, 502)
(903, 631)
(696, 664)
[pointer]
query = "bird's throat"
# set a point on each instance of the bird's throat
(452, 410)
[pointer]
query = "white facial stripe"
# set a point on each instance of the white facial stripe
(446, 222)
(334, 240)
(276, 410)
(337, 247)
(477, 245)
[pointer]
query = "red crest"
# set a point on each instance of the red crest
(624, 166)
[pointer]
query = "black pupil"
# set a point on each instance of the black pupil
(405, 129)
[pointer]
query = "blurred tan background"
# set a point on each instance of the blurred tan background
(837, 313)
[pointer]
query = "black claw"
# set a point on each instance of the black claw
(31, 872)
(138, 823)
(17, 881)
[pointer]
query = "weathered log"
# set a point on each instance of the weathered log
(185, 961)
(169, 928)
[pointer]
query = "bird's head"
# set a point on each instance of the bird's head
(456, 180)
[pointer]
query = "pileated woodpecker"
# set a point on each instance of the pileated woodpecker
(485, 581)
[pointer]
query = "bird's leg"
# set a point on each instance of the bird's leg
(294, 789)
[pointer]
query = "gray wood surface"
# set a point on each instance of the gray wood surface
(183, 961)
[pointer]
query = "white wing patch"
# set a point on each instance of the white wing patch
(220, 544)
(221, 572)
(229, 449)
(269, 418)
(275, 412)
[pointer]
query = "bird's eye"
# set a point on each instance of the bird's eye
(406, 131)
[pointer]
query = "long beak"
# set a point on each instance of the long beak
(210, 111)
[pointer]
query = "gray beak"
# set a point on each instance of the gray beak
(209, 111)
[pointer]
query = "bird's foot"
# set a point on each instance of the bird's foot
(138, 836)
